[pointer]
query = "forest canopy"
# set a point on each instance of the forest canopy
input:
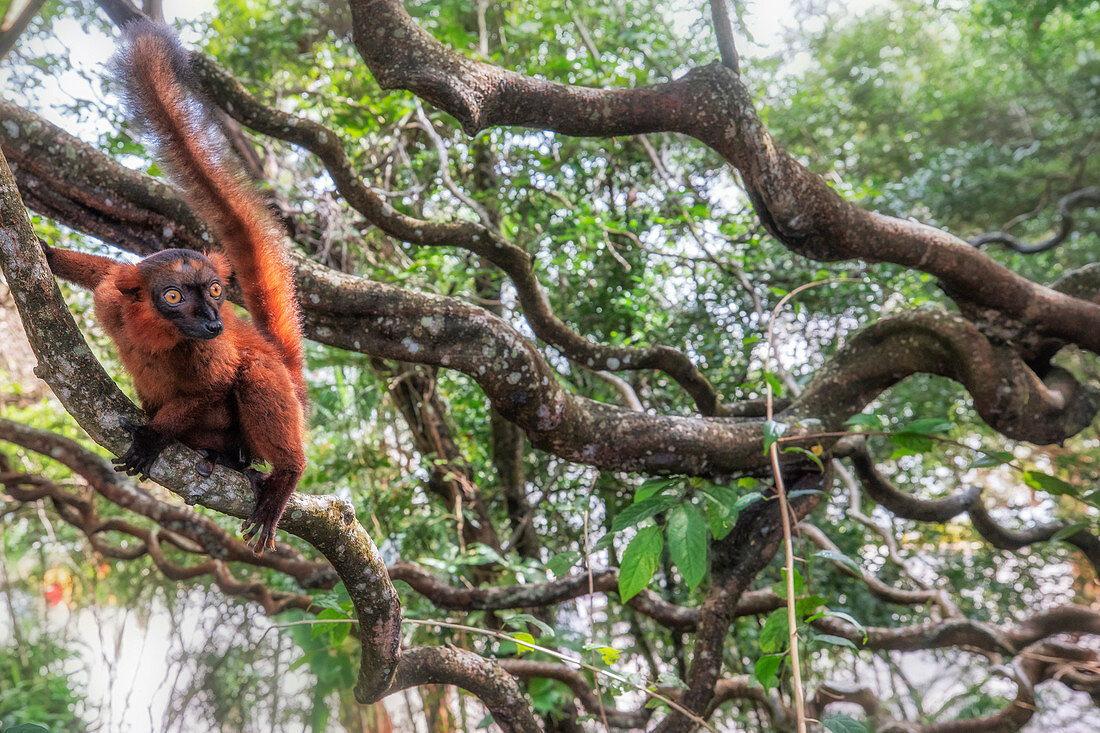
(671, 366)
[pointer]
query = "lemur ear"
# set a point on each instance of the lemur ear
(222, 265)
(130, 282)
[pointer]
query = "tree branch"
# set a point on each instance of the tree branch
(723, 28)
(452, 666)
(905, 506)
(122, 491)
(17, 17)
(1081, 198)
(711, 104)
(81, 514)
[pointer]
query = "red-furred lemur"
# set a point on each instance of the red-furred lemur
(219, 384)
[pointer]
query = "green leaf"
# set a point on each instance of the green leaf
(926, 426)
(850, 619)
(561, 563)
(726, 496)
(843, 724)
(609, 654)
(653, 486)
(1068, 531)
(333, 630)
(772, 431)
(729, 499)
(839, 557)
(719, 519)
(326, 600)
(338, 633)
(993, 458)
(687, 543)
(781, 587)
(520, 621)
(520, 638)
(747, 499)
(766, 670)
(909, 444)
(834, 640)
(809, 604)
(1048, 483)
(871, 423)
(642, 511)
(774, 383)
(775, 634)
(808, 454)
(639, 562)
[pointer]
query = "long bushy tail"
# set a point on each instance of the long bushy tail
(155, 73)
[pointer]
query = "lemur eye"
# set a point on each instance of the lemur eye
(216, 290)
(172, 296)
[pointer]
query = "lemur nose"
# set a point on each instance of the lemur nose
(213, 327)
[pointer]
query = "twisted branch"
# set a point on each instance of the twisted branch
(711, 104)
(81, 514)
(447, 665)
(1007, 639)
(1080, 198)
(903, 505)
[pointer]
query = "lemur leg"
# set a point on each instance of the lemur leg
(272, 425)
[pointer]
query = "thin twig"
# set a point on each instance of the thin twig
(591, 599)
(784, 508)
(720, 15)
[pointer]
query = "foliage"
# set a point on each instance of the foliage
(35, 687)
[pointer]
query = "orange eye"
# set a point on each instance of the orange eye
(172, 296)
(216, 290)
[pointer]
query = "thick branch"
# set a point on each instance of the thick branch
(712, 104)
(473, 673)
(121, 490)
(1006, 639)
(904, 505)
(1007, 394)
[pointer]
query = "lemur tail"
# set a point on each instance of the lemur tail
(155, 73)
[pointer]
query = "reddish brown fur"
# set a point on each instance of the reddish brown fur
(240, 390)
